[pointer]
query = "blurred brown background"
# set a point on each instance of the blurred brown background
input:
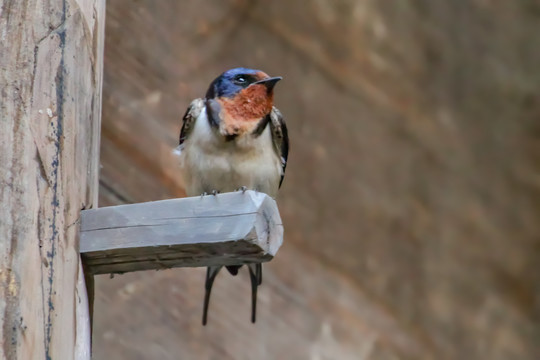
(411, 201)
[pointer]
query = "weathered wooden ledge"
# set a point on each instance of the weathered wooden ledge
(226, 229)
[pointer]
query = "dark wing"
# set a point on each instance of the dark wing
(280, 138)
(191, 115)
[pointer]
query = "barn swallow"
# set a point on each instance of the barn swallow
(234, 139)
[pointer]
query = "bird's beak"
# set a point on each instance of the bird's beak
(269, 82)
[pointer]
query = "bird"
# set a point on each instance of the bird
(234, 139)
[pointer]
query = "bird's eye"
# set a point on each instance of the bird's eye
(240, 79)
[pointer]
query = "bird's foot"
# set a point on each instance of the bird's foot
(243, 189)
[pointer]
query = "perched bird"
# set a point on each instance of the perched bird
(234, 139)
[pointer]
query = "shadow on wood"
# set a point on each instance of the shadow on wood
(226, 229)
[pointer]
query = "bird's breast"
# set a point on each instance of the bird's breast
(211, 162)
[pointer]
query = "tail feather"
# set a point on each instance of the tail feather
(211, 274)
(255, 275)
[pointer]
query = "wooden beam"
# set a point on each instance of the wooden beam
(226, 229)
(50, 110)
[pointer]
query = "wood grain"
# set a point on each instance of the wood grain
(226, 229)
(50, 109)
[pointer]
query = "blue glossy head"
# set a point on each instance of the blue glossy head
(231, 82)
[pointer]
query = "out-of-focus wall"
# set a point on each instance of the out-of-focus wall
(411, 201)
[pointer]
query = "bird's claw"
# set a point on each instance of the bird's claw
(243, 189)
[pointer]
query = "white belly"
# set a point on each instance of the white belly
(210, 163)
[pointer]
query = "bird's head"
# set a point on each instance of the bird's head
(244, 95)
(235, 81)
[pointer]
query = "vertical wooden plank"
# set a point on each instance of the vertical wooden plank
(50, 105)
(83, 312)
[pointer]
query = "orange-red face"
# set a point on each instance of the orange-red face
(242, 110)
(245, 97)
(250, 103)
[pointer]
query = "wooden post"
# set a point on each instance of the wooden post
(227, 229)
(51, 55)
